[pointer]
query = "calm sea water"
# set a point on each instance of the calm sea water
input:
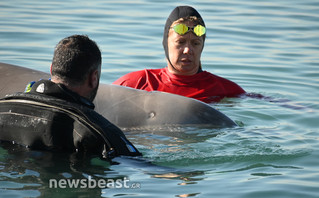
(268, 47)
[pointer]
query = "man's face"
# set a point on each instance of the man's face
(184, 52)
(94, 91)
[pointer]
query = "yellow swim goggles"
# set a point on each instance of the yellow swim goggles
(182, 29)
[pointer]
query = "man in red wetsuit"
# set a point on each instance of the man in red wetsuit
(183, 42)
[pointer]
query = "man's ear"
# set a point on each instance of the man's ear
(51, 69)
(94, 79)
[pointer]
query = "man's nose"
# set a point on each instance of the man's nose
(187, 49)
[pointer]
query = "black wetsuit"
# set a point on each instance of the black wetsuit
(51, 117)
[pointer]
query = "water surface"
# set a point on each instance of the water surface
(267, 47)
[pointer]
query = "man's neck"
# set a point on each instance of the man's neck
(79, 89)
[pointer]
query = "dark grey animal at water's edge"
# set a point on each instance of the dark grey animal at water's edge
(126, 107)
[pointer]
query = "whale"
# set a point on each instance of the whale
(128, 108)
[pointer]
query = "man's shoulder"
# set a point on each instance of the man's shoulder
(49, 105)
(144, 72)
(225, 83)
(49, 89)
(136, 76)
(206, 74)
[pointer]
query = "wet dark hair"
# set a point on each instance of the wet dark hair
(178, 13)
(74, 58)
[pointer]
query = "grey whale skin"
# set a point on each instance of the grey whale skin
(129, 108)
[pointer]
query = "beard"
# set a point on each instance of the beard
(93, 93)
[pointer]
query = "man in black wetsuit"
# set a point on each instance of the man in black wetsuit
(58, 114)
